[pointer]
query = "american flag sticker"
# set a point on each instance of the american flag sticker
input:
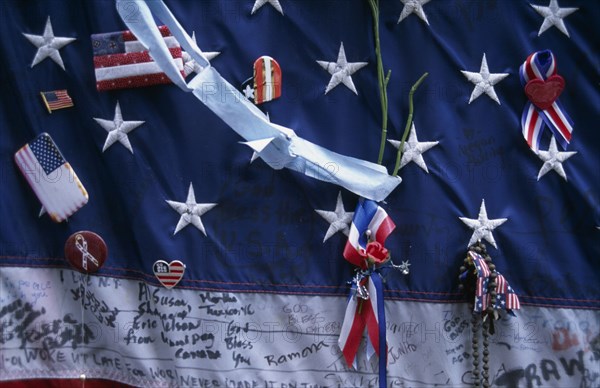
(56, 99)
(51, 177)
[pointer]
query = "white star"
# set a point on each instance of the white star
(553, 159)
(48, 45)
(118, 129)
(249, 92)
(341, 71)
(414, 6)
(191, 66)
(255, 154)
(553, 16)
(484, 81)
(339, 219)
(190, 211)
(482, 226)
(260, 3)
(414, 149)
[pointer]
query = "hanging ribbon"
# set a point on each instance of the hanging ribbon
(543, 85)
(506, 298)
(283, 147)
(365, 310)
(370, 228)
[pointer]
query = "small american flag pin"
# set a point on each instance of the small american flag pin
(56, 99)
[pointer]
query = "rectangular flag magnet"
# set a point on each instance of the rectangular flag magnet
(51, 177)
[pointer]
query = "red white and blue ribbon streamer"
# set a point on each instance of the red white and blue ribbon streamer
(368, 216)
(506, 298)
(542, 84)
(366, 313)
(366, 309)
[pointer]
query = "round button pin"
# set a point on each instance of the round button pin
(86, 251)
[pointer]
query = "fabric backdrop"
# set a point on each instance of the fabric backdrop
(262, 283)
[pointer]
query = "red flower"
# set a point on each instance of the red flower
(376, 253)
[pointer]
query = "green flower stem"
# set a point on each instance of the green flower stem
(409, 120)
(383, 79)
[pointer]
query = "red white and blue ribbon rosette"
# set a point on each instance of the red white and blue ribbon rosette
(543, 85)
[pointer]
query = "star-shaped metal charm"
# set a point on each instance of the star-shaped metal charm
(553, 16)
(553, 160)
(191, 66)
(339, 219)
(414, 149)
(482, 226)
(341, 71)
(484, 81)
(190, 211)
(48, 45)
(403, 267)
(414, 6)
(118, 129)
(260, 3)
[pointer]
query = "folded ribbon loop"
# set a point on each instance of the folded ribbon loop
(543, 86)
(283, 147)
(506, 298)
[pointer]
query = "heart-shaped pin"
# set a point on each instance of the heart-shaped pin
(168, 274)
(543, 93)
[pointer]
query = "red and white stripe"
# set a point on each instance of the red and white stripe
(60, 192)
(135, 67)
(534, 119)
(171, 278)
(267, 80)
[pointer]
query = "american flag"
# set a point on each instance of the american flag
(56, 99)
(51, 177)
(265, 237)
(121, 62)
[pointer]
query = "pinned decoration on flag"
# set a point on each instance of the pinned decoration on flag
(267, 80)
(489, 292)
(543, 85)
(51, 177)
(168, 274)
(365, 249)
(56, 99)
(265, 84)
(122, 62)
(86, 251)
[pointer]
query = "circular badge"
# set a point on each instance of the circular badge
(86, 251)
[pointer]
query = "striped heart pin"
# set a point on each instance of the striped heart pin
(168, 274)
